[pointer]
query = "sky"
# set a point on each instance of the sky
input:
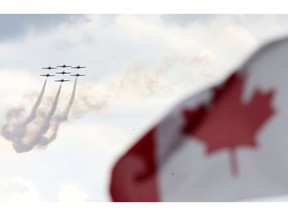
(138, 68)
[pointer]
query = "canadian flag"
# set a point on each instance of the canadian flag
(228, 143)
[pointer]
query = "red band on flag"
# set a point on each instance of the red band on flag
(134, 176)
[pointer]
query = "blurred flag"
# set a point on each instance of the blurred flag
(228, 143)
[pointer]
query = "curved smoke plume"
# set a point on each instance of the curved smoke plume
(18, 133)
(60, 118)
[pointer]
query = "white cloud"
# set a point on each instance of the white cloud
(72, 193)
(17, 189)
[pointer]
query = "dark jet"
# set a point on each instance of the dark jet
(77, 75)
(63, 72)
(77, 67)
(47, 75)
(64, 66)
(62, 80)
(49, 68)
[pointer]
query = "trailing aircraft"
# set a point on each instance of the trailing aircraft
(62, 80)
(49, 68)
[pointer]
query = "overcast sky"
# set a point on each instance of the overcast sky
(138, 67)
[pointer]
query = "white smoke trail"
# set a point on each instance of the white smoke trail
(64, 116)
(18, 136)
(39, 136)
(33, 112)
(139, 82)
(60, 118)
(18, 131)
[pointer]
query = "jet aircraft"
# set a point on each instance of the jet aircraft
(63, 72)
(77, 75)
(64, 66)
(47, 75)
(49, 68)
(78, 67)
(62, 80)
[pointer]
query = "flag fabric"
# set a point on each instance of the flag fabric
(227, 143)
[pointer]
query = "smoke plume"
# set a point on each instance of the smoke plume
(39, 136)
(18, 133)
(60, 118)
(139, 81)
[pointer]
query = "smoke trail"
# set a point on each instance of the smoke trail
(19, 130)
(60, 118)
(138, 82)
(64, 116)
(18, 144)
(32, 115)
(46, 124)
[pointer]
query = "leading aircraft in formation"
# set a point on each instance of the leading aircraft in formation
(78, 67)
(64, 66)
(47, 75)
(62, 80)
(77, 75)
(49, 68)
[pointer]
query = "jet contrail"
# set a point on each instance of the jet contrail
(60, 118)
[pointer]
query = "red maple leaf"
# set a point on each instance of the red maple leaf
(228, 122)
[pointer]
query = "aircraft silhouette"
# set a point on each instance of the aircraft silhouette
(62, 80)
(47, 75)
(63, 72)
(64, 66)
(78, 67)
(49, 68)
(77, 75)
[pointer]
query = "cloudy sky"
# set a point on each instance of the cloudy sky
(138, 67)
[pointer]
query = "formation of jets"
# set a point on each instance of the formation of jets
(63, 72)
